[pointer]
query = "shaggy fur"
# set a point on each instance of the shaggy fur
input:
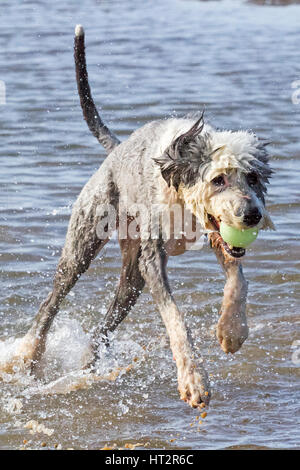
(214, 175)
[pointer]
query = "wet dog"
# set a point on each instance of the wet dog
(181, 167)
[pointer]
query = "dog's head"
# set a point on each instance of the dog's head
(220, 176)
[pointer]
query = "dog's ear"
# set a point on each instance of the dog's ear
(261, 165)
(178, 164)
(263, 159)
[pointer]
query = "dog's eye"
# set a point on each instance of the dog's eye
(218, 180)
(252, 178)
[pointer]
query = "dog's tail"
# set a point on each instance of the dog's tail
(90, 113)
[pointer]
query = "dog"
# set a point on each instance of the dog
(213, 176)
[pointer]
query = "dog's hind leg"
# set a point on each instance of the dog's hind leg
(83, 242)
(192, 378)
(68, 271)
(129, 289)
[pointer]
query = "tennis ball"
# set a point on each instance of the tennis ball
(238, 238)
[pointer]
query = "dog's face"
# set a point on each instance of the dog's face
(221, 177)
(236, 198)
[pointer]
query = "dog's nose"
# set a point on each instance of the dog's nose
(252, 217)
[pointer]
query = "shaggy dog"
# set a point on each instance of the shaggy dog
(208, 176)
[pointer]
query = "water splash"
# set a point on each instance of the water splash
(68, 351)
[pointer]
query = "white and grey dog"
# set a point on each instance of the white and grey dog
(210, 175)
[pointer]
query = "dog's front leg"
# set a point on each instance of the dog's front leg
(232, 329)
(193, 384)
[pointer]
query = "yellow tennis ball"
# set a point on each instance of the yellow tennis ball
(238, 238)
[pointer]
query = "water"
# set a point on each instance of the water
(146, 60)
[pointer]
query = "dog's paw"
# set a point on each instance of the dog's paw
(193, 387)
(232, 331)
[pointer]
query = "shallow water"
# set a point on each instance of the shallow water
(146, 60)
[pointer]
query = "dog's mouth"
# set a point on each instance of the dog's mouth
(233, 251)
